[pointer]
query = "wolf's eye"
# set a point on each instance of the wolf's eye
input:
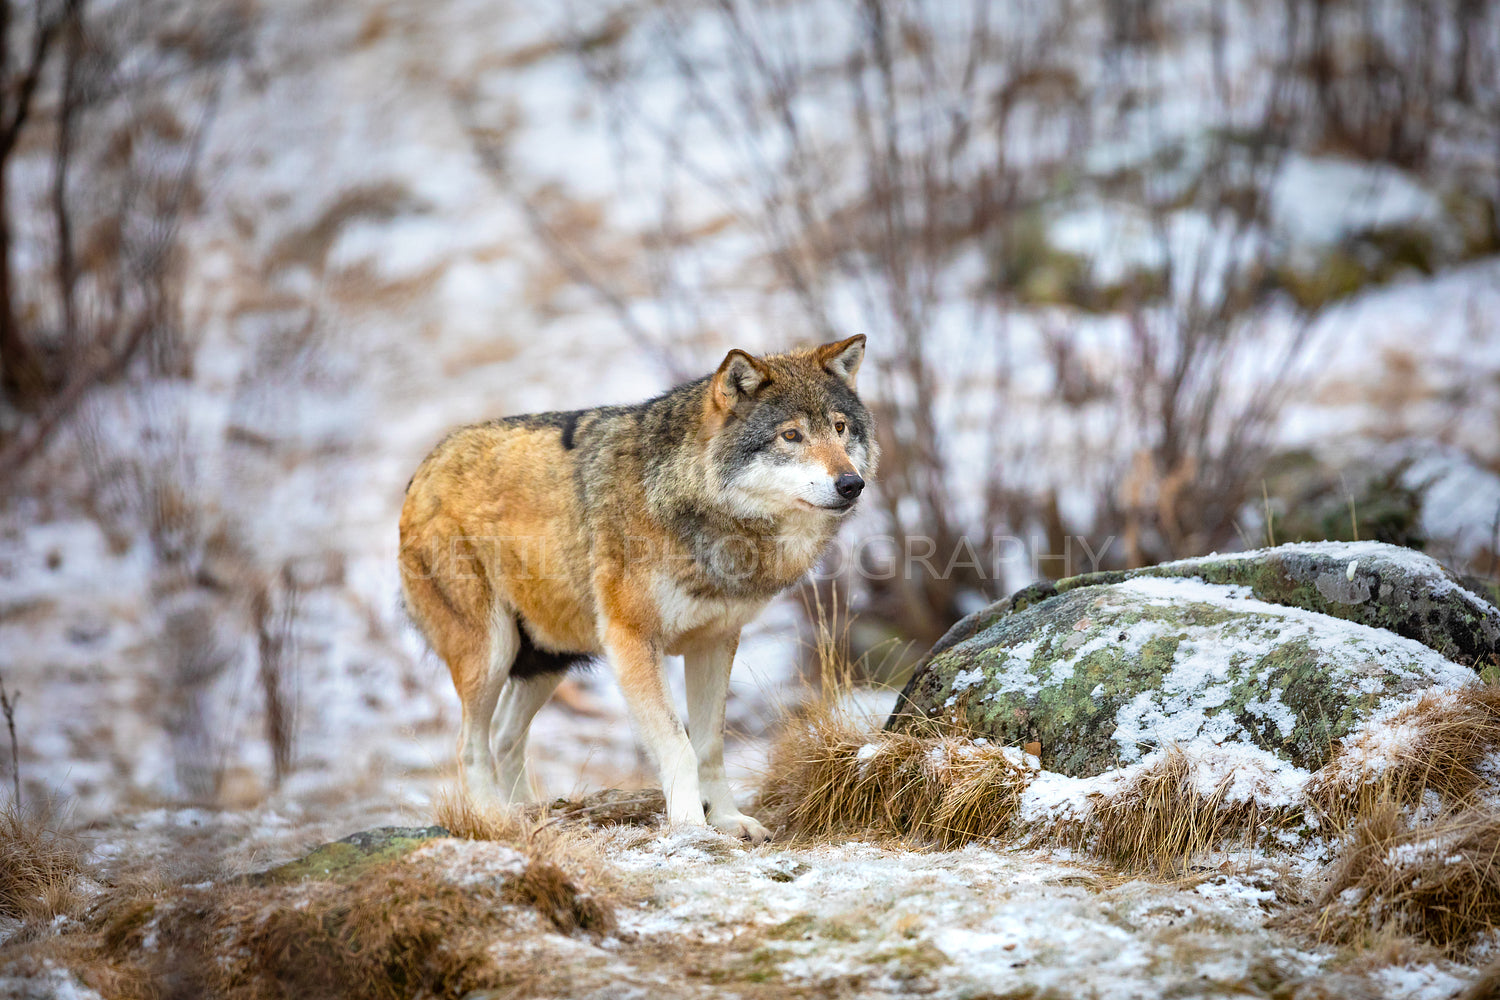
(792, 435)
(838, 427)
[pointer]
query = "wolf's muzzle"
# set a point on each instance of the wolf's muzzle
(849, 485)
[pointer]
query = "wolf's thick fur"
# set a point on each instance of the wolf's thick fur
(630, 532)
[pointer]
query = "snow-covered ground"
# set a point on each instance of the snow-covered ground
(346, 192)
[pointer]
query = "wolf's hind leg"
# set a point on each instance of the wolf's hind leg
(479, 697)
(707, 670)
(519, 703)
(453, 610)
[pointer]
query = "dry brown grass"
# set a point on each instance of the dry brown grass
(1439, 744)
(401, 930)
(1437, 882)
(1162, 817)
(535, 826)
(826, 777)
(565, 845)
(40, 867)
(456, 812)
(829, 778)
(1486, 987)
(544, 887)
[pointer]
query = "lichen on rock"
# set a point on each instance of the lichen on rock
(1287, 649)
(1384, 586)
(345, 859)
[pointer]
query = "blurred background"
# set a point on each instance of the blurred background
(1143, 279)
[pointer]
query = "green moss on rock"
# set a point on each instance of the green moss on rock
(1392, 588)
(346, 859)
(1104, 667)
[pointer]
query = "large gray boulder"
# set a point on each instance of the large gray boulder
(1286, 648)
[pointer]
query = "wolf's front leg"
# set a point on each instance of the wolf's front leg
(637, 664)
(707, 689)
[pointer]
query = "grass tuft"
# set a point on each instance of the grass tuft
(40, 868)
(826, 776)
(1162, 816)
(1439, 743)
(547, 889)
(1438, 882)
(405, 929)
(461, 816)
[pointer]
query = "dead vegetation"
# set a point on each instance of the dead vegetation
(829, 775)
(40, 867)
(1438, 744)
(406, 928)
(401, 930)
(963, 133)
(1162, 817)
(825, 777)
(461, 816)
(1438, 881)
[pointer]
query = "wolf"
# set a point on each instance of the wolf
(533, 543)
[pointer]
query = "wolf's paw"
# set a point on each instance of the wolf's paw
(737, 824)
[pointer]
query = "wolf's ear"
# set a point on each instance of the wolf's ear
(843, 357)
(737, 379)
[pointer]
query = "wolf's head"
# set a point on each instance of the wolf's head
(787, 432)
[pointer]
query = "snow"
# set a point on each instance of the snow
(1420, 982)
(1198, 681)
(446, 311)
(468, 862)
(55, 983)
(1051, 797)
(1387, 738)
(1232, 887)
(998, 920)
(1319, 201)
(1424, 569)
(1235, 772)
(1244, 774)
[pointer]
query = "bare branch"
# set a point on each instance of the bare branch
(8, 706)
(14, 118)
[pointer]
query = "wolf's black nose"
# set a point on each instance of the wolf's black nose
(849, 485)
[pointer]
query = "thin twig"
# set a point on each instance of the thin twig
(1353, 514)
(8, 705)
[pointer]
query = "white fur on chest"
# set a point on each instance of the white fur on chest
(683, 613)
(802, 540)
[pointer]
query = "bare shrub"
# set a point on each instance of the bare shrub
(275, 618)
(8, 707)
(900, 169)
(135, 96)
(961, 129)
